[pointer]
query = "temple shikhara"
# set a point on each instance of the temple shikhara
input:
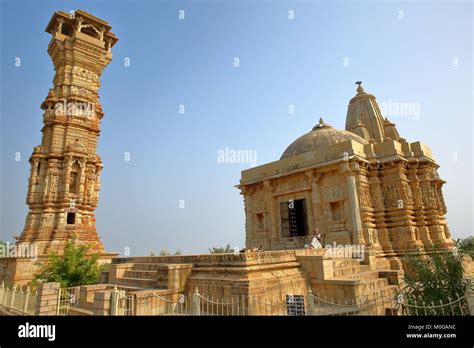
(364, 186)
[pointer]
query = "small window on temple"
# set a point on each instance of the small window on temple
(66, 29)
(336, 210)
(293, 218)
(260, 222)
(38, 168)
(71, 218)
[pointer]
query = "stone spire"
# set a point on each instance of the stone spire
(360, 129)
(365, 118)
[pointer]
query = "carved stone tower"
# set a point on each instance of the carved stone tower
(64, 183)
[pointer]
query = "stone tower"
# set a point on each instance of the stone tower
(64, 183)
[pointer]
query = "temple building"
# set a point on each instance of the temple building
(362, 185)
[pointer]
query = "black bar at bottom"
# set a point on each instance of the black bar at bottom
(375, 330)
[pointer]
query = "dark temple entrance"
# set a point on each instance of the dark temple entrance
(293, 218)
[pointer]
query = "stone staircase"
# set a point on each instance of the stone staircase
(347, 280)
(142, 276)
(148, 274)
(373, 283)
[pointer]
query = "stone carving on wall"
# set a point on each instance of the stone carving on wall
(391, 195)
(428, 195)
(48, 220)
(81, 91)
(376, 196)
(84, 73)
(416, 193)
(53, 184)
(287, 187)
(365, 198)
(333, 194)
(406, 193)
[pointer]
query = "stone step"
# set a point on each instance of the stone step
(386, 290)
(137, 282)
(145, 266)
(365, 275)
(350, 270)
(374, 284)
(342, 263)
(140, 274)
(79, 312)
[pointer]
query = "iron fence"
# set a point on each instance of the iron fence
(20, 300)
(67, 298)
(291, 305)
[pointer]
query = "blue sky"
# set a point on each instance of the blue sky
(419, 52)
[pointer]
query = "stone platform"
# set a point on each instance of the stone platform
(268, 275)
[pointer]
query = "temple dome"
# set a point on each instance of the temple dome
(320, 138)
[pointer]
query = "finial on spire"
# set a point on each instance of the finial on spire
(321, 124)
(359, 88)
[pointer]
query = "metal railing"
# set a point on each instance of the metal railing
(199, 304)
(459, 306)
(309, 304)
(67, 298)
(18, 300)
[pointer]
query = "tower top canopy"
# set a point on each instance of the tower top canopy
(81, 21)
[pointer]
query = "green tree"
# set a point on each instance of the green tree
(221, 250)
(467, 246)
(75, 267)
(178, 252)
(164, 252)
(435, 277)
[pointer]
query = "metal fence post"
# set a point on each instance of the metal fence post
(114, 297)
(27, 297)
(470, 301)
(311, 305)
(2, 292)
(12, 298)
(196, 302)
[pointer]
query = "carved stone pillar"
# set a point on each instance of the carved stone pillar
(313, 181)
(82, 180)
(418, 210)
(67, 176)
(350, 171)
(383, 233)
(270, 213)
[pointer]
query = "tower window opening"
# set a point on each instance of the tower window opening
(71, 218)
(91, 31)
(74, 181)
(66, 29)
